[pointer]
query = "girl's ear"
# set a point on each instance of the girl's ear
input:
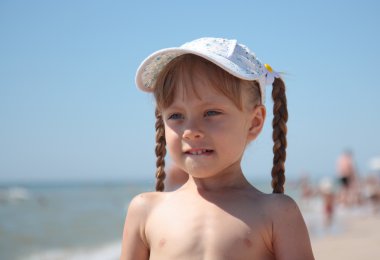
(257, 119)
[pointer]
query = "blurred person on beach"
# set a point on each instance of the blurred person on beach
(372, 185)
(372, 192)
(307, 189)
(210, 97)
(347, 176)
(328, 197)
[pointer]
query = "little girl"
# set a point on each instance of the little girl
(210, 97)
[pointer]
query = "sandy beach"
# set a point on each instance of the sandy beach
(359, 240)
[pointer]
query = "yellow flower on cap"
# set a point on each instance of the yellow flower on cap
(268, 67)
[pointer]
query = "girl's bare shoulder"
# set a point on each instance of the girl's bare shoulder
(145, 202)
(138, 212)
(135, 244)
(287, 221)
(278, 205)
(279, 200)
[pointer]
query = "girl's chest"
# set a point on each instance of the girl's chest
(200, 231)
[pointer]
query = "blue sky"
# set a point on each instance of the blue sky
(70, 110)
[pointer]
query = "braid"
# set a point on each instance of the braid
(280, 117)
(160, 151)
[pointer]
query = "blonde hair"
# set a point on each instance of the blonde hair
(179, 71)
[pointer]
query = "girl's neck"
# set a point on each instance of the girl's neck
(221, 182)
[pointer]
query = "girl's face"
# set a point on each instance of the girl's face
(206, 134)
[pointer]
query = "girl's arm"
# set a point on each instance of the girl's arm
(134, 245)
(290, 236)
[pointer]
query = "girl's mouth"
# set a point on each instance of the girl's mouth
(199, 151)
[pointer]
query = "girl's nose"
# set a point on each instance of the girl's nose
(192, 134)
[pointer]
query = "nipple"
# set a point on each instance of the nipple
(162, 242)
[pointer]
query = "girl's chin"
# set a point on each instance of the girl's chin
(201, 172)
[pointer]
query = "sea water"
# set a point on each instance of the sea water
(82, 220)
(64, 221)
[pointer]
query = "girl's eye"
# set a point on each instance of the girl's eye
(175, 116)
(212, 113)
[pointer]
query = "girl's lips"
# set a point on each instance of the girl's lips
(199, 151)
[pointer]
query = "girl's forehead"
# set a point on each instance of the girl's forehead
(198, 86)
(197, 78)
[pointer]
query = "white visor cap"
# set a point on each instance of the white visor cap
(229, 55)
